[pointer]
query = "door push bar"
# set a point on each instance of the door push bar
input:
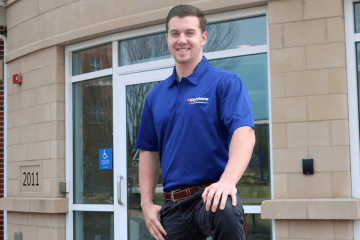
(119, 190)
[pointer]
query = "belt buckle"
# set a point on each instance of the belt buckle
(172, 194)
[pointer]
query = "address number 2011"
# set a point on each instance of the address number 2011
(30, 179)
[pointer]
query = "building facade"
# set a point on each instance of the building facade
(71, 170)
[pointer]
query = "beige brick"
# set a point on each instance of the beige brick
(39, 150)
(46, 233)
(308, 134)
(20, 117)
(277, 86)
(327, 107)
(57, 111)
(47, 5)
(323, 8)
(28, 133)
(21, 11)
(9, 153)
(282, 228)
(279, 136)
(289, 110)
(340, 132)
(13, 188)
(61, 234)
(305, 33)
(40, 219)
(331, 55)
(341, 184)
(50, 93)
(332, 209)
(289, 160)
(306, 83)
(12, 171)
(287, 60)
(13, 102)
(13, 67)
(20, 205)
(27, 98)
(9, 120)
(12, 229)
(58, 220)
(275, 36)
(57, 149)
(28, 232)
(33, 29)
(58, 73)
(335, 29)
(337, 80)
(20, 152)
(280, 186)
(280, 209)
(332, 158)
(39, 77)
(46, 188)
(285, 11)
(344, 229)
(54, 168)
(311, 229)
(17, 218)
(50, 130)
(27, 63)
(55, 189)
(318, 185)
(40, 113)
(58, 205)
(13, 136)
(50, 56)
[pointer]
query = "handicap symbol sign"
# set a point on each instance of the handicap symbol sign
(105, 158)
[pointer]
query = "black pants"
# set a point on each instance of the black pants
(189, 220)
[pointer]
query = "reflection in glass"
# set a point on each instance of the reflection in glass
(357, 17)
(92, 59)
(236, 34)
(93, 128)
(221, 36)
(258, 229)
(135, 100)
(93, 225)
(143, 49)
(254, 185)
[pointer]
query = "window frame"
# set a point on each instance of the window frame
(351, 38)
(154, 65)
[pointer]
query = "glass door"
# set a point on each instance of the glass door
(134, 90)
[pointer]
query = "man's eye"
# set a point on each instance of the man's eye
(191, 33)
(174, 34)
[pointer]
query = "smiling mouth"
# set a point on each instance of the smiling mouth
(182, 49)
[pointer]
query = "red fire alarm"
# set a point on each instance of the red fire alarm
(17, 78)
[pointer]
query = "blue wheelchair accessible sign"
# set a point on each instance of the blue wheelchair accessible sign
(105, 158)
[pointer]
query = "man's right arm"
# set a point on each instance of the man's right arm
(149, 165)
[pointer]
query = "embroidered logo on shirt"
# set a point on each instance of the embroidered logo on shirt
(202, 100)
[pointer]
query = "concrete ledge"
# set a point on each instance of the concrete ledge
(333, 208)
(36, 205)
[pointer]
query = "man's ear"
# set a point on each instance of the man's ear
(204, 38)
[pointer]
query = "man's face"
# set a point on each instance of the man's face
(185, 39)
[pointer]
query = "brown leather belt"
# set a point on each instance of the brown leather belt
(180, 194)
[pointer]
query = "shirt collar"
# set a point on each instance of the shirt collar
(195, 77)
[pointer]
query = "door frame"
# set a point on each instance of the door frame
(121, 78)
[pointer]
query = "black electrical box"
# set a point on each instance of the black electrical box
(308, 166)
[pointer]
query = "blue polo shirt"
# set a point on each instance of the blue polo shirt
(191, 124)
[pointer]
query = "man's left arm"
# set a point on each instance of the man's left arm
(241, 148)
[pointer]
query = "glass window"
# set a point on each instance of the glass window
(93, 225)
(254, 185)
(92, 59)
(221, 36)
(92, 133)
(357, 17)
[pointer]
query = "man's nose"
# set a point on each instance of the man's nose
(182, 38)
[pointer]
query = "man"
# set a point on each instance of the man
(199, 126)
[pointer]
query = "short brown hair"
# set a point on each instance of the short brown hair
(184, 11)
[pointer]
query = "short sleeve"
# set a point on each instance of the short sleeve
(147, 138)
(235, 106)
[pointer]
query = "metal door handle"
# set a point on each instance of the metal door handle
(119, 189)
